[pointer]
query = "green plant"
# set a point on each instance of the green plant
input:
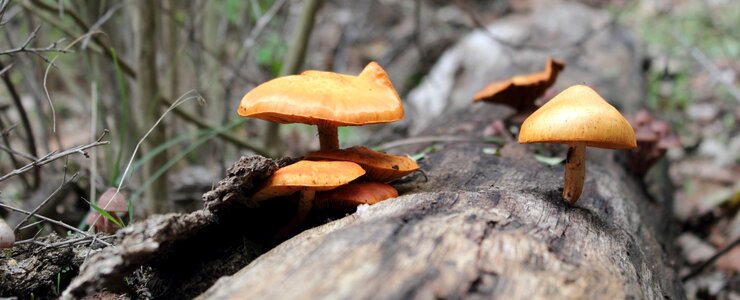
(106, 214)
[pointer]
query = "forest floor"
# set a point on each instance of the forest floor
(691, 70)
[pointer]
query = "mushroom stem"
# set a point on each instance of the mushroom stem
(328, 137)
(575, 171)
(304, 207)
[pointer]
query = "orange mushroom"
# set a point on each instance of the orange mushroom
(115, 204)
(307, 177)
(578, 117)
(379, 166)
(346, 198)
(520, 92)
(326, 99)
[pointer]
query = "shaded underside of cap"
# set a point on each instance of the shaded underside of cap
(315, 175)
(520, 92)
(380, 166)
(578, 114)
(351, 195)
(326, 98)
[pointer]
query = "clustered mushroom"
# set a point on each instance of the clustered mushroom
(578, 117)
(113, 203)
(328, 100)
(654, 138)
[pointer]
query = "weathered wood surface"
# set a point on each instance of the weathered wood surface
(482, 226)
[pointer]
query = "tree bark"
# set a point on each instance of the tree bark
(482, 226)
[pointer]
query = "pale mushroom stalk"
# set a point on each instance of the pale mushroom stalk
(575, 172)
(328, 137)
(578, 117)
(305, 202)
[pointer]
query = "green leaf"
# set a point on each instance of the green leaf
(552, 161)
(105, 214)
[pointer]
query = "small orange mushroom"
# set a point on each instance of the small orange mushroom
(379, 166)
(346, 198)
(578, 117)
(115, 204)
(520, 92)
(326, 99)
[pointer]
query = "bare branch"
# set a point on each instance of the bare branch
(35, 210)
(52, 221)
(52, 157)
(705, 62)
(6, 69)
(36, 51)
(21, 154)
(108, 14)
(3, 8)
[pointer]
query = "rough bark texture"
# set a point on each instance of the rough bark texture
(482, 226)
(31, 268)
(180, 255)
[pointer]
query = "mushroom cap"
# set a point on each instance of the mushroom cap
(380, 166)
(349, 196)
(304, 175)
(7, 237)
(520, 92)
(326, 98)
(110, 203)
(578, 115)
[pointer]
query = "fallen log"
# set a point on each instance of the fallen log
(483, 225)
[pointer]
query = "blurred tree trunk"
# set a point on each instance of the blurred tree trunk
(148, 98)
(292, 62)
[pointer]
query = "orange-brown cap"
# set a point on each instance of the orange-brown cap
(326, 98)
(578, 114)
(108, 202)
(349, 196)
(520, 92)
(314, 175)
(380, 166)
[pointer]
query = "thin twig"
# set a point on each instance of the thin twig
(106, 16)
(29, 225)
(713, 70)
(3, 7)
(184, 98)
(129, 71)
(10, 65)
(14, 152)
(54, 156)
(80, 240)
(48, 98)
(37, 51)
(430, 139)
(30, 140)
(55, 222)
(710, 261)
(35, 210)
